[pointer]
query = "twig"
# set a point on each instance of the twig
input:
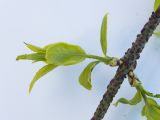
(128, 64)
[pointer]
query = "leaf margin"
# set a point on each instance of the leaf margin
(40, 73)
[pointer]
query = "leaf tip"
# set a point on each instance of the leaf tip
(85, 85)
(30, 88)
(21, 57)
(106, 14)
(25, 43)
(29, 92)
(17, 58)
(103, 34)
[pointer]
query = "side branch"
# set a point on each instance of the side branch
(128, 64)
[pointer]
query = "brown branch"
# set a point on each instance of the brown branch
(129, 63)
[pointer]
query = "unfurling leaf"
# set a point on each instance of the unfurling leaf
(156, 4)
(151, 110)
(148, 93)
(35, 48)
(34, 57)
(151, 94)
(103, 36)
(43, 71)
(135, 100)
(64, 54)
(85, 76)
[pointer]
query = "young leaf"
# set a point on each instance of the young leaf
(148, 93)
(153, 102)
(143, 112)
(156, 4)
(151, 94)
(85, 76)
(151, 110)
(103, 35)
(157, 34)
(135, 100)
(153, 113)
(43, 71)
(34, 57)
(64, 54)
(35, 48)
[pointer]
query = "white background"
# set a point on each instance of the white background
(58, 95)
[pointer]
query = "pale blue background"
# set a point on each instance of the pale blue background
(58, 95)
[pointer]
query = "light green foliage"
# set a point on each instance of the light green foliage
(149, 93)
(85, 76)
(53, 55)
(156, 4)
(143, 112)
(35, 48)
(43, 71)
(33, 56)
(64, 54)
(157, 34)
(135, 100)
(151, 110)
(103, 35)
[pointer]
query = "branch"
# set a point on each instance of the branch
(128, 64)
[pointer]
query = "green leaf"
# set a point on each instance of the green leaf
(143, 112)
(104, 35)
(151, 110)
(85, 76)
(135, 100)
(152, 102)
(43, 71)
(156, 4)
(148, 93)
(64, 54)
(35, 48)
(157, 34)
(34, 57)
(151, 94)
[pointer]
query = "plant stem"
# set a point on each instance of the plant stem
(102, 59)
(107, 60)
(129, 63)
(140, 88)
